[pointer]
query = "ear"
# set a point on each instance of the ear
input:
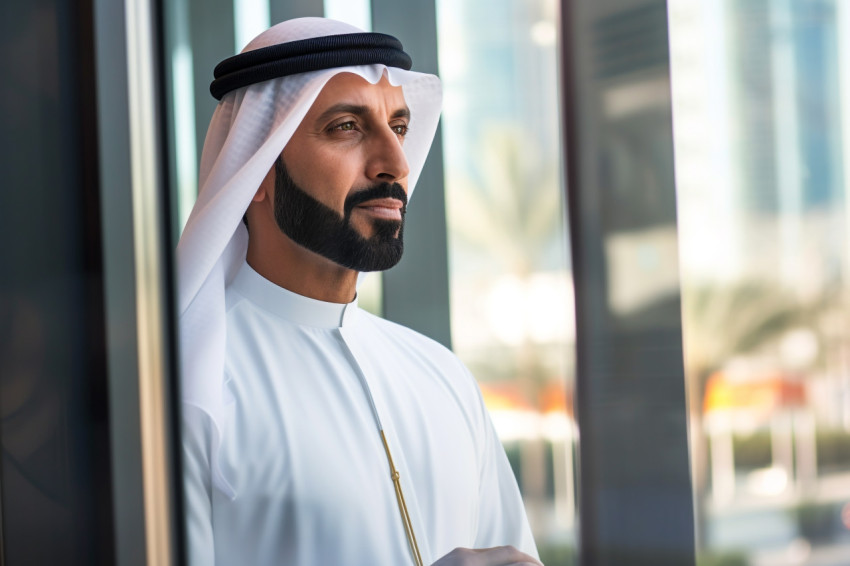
(266, 189)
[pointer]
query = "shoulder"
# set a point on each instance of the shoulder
(429, 356)
(411, 339)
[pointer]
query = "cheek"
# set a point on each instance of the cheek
(327, 176)
(334, 175)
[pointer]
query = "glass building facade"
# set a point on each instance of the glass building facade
(760, 129)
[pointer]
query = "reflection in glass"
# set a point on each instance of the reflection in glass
(511, 298)
(760, 133)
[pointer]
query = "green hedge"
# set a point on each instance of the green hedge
(754, 451)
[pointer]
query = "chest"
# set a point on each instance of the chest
(303, 437)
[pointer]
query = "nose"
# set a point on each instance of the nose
(386, 161)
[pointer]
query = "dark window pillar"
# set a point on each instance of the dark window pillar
(635, 487)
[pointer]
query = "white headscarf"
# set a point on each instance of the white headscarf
(248, 131)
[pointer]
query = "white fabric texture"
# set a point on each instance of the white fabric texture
(249, 129)
(302, 450)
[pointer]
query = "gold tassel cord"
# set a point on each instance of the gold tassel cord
(402, 506)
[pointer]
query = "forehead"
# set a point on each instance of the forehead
(349, 88)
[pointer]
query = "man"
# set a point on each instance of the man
(314, 432)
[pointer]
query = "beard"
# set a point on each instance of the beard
(322, 230)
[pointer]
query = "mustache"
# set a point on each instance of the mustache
(382, 190)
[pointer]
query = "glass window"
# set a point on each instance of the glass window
(511, 290)
(762, 125)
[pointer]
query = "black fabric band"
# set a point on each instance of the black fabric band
(307, 55)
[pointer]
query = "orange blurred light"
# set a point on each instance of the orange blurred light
(758, 394)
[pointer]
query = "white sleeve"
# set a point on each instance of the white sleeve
(197, 486)
(501, 519)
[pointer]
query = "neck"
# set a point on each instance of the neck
(296, 269)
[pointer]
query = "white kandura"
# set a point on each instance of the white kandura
(301, 451)
(283, 460)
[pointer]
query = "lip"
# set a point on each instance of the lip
(385, 208)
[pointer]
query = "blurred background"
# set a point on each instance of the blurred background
(761, 111)
(633, 228)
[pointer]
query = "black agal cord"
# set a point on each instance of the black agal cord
(305, 55)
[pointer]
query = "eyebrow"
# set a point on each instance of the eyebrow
(357, 110)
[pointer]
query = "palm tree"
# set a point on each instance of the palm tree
(721, 322)
(508, 207)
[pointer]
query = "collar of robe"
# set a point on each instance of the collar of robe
(305, 55)
(290, 306)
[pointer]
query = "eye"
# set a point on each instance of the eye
(400, 129)
(344, 127)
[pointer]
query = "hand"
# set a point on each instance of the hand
(498, 556)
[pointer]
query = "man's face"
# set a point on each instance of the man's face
(341, 184)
